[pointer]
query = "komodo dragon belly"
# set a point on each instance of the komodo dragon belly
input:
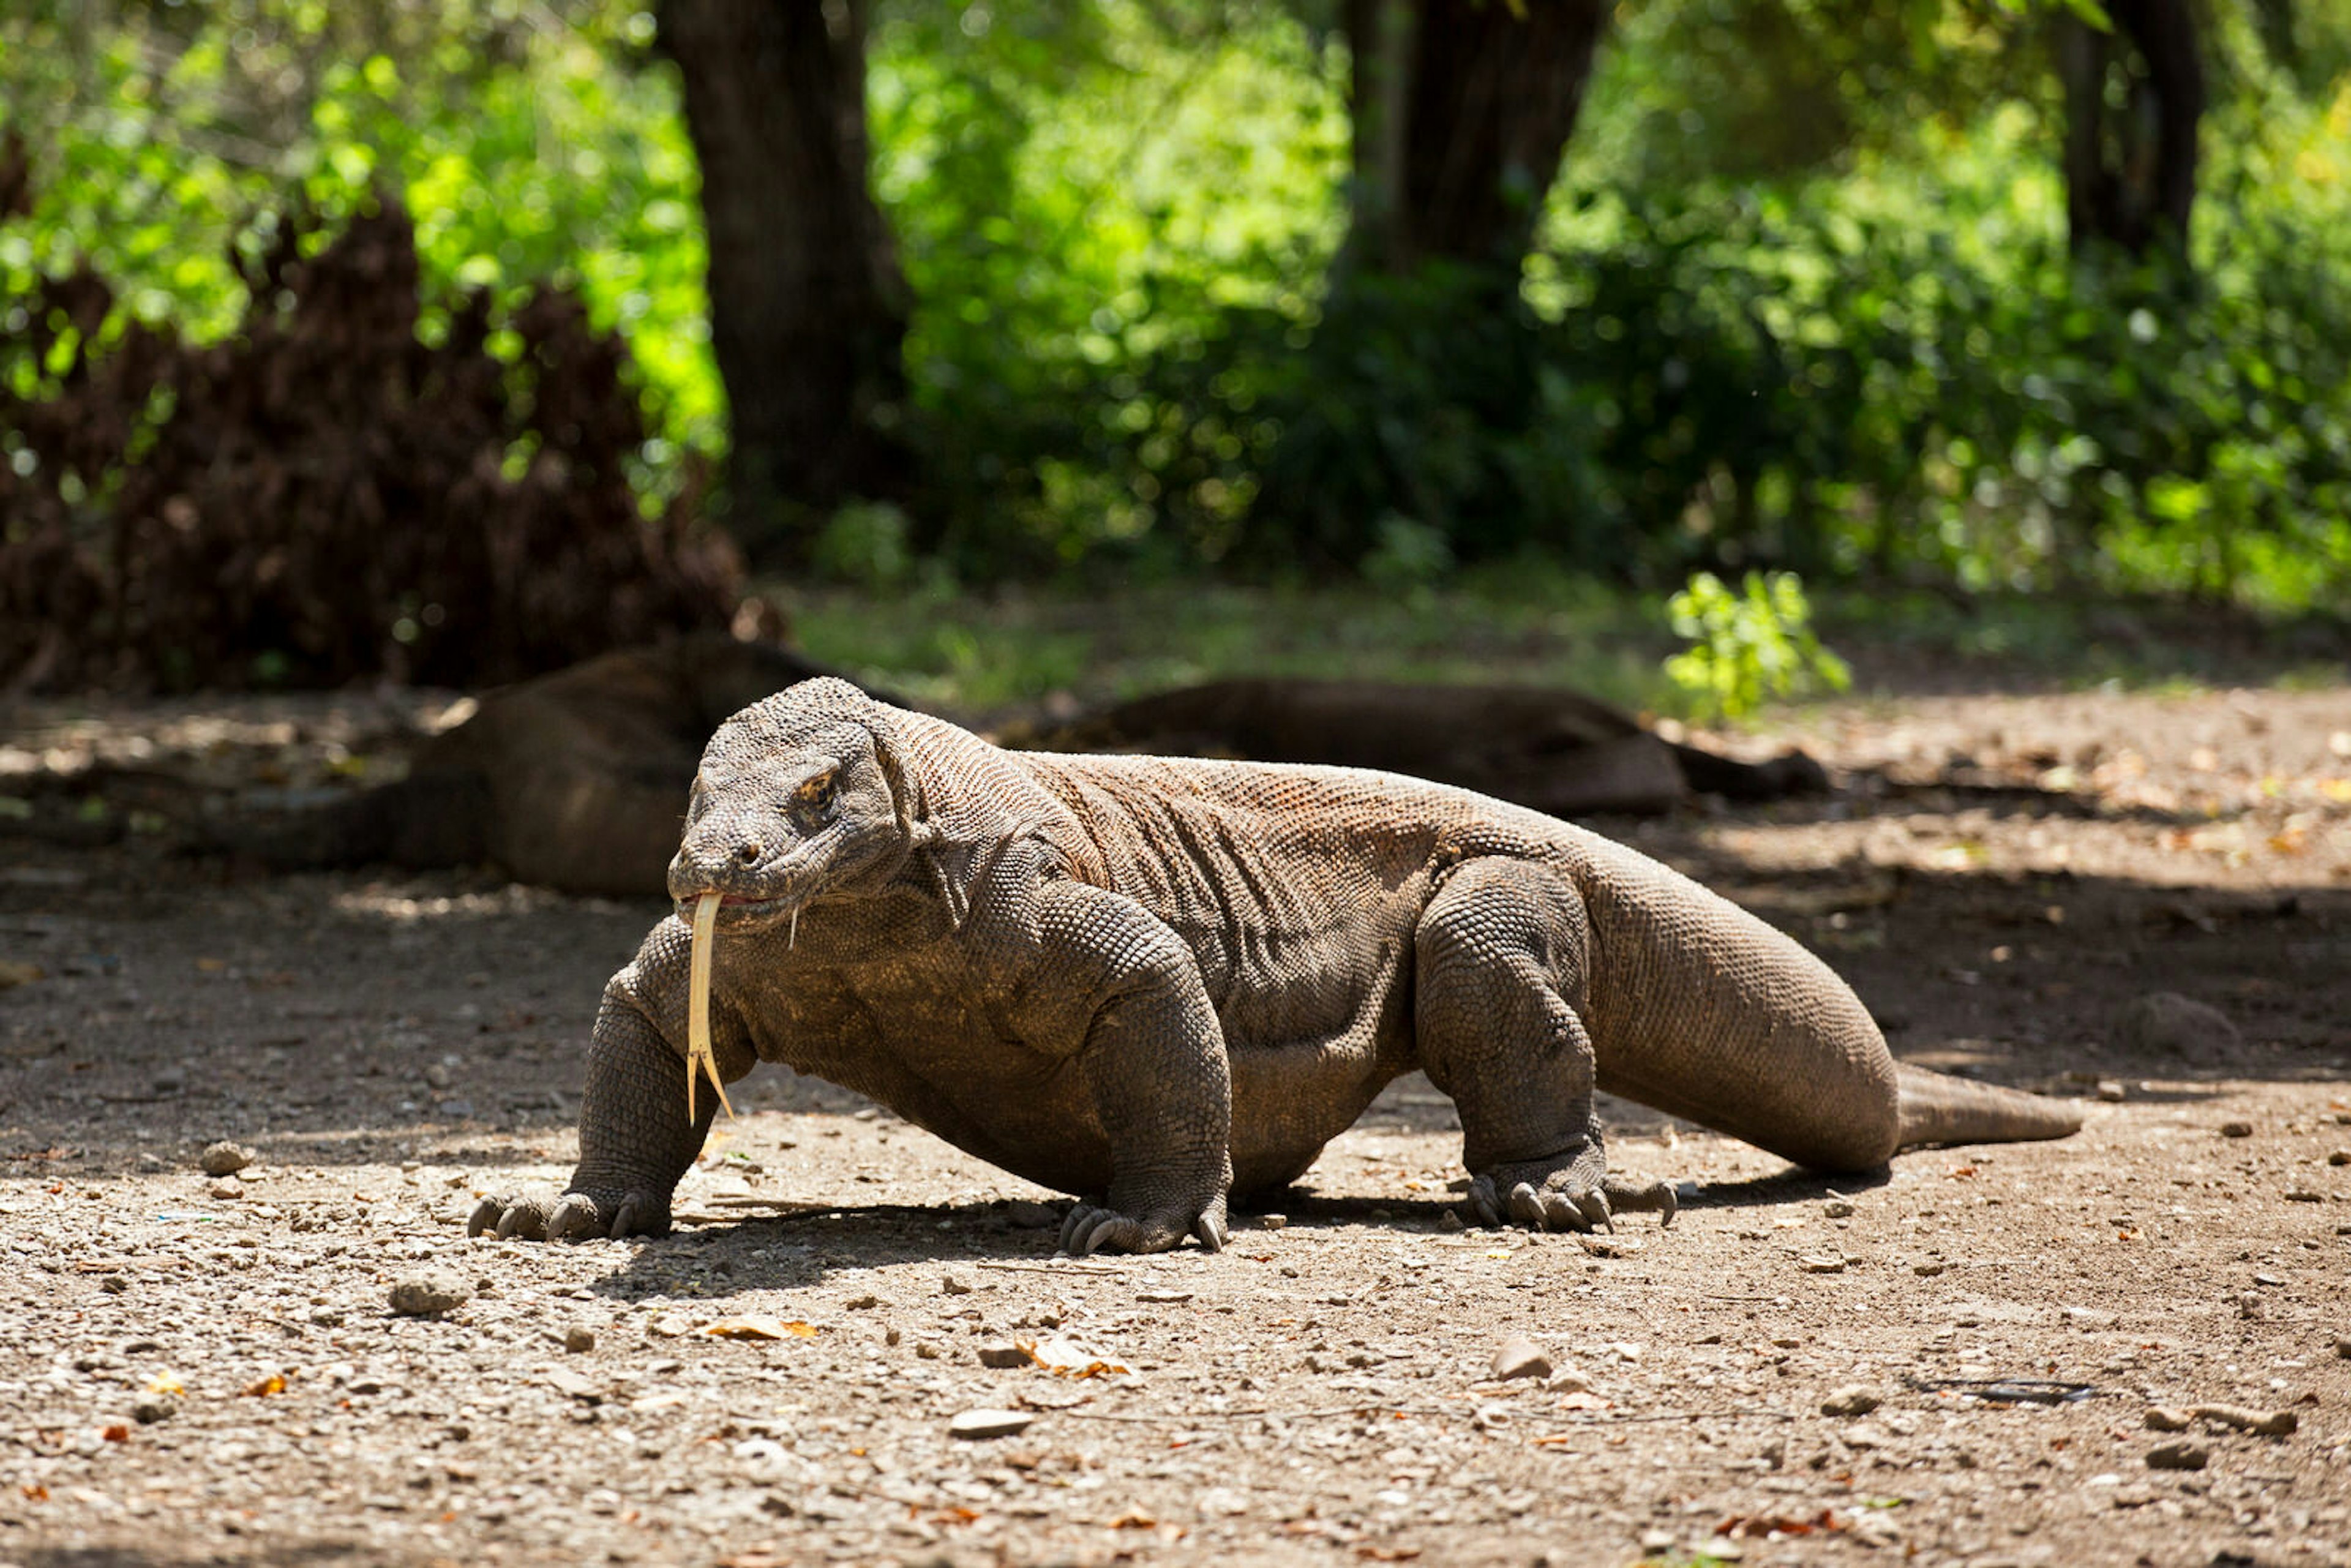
(939, 1056)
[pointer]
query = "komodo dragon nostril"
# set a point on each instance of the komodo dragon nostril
(749, 854)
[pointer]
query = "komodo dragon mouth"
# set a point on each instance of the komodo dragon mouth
(699, 1058)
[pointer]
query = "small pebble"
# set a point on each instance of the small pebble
(2236, 1129)
(862, 1304)
(979, 1425)
(1853, 1399)
(1518, 1357)
(578, 1339)
(572, 1385)
(1273, 1221)
(2339, 1157)
(1838, 1208)
(1002, 1354)
(1928, 1270)
(2164, 1418)
(926, 1351)
(151, 1409)
(114, 1284)
(437, 1076)
(951, 1286)
(170, 1082)
(226, 1188)
(224, 1158)
(425, 1296)
(2177, 1457)
(2111, 1091)
(2260, 1422)
(1821, 1265)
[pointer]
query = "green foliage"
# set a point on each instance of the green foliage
(1093, 205)
(1909, 377)
(866, 544)
(1802, 301)
(531, 142)
(1751, 646)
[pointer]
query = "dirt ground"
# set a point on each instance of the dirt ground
(202, 1369)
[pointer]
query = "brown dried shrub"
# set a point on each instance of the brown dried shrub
(323, 497)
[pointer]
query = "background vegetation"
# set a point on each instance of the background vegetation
(1803, 295)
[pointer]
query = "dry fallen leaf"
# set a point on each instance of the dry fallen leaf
(759, 1325)
(166, 1383)
(12, 974)
(273, 1383)
(1067, 1358)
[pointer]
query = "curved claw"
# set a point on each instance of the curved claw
(1482, 1200)
(486, 1215)
(1113, 1230)
(1094, 1228)
(1658, 1197)
(1593, 1209)
(1075, 1223)
(575, 1216)
(528, 1221)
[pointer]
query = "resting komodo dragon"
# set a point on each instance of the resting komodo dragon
(1154, 983)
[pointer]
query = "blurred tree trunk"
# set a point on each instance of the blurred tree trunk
(2134, 98)
(1462, 108)
(808, 308)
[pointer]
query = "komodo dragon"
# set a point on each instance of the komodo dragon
(570, 780)
(1558, 752)
(1154, 983)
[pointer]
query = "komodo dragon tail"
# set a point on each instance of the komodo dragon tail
(1935, 1109)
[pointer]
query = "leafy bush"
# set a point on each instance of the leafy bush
(323, 497)
(1749, 647)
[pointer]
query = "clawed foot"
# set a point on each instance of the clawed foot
(576, 1216)
(1557, 1205)
(1092, 1228)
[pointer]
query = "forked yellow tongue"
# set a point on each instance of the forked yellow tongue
(698, 1057)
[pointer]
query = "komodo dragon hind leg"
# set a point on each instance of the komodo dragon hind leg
(1499, 978)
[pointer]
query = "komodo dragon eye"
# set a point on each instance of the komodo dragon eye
(815, 794)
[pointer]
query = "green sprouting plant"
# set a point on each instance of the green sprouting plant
(1751, 646)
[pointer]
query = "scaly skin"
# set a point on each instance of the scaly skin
(1154, 983)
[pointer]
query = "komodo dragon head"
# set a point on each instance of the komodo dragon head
(797, 796)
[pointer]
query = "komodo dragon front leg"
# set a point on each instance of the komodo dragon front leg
(636, 1140)
(1100, 981)
(1501, 971)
